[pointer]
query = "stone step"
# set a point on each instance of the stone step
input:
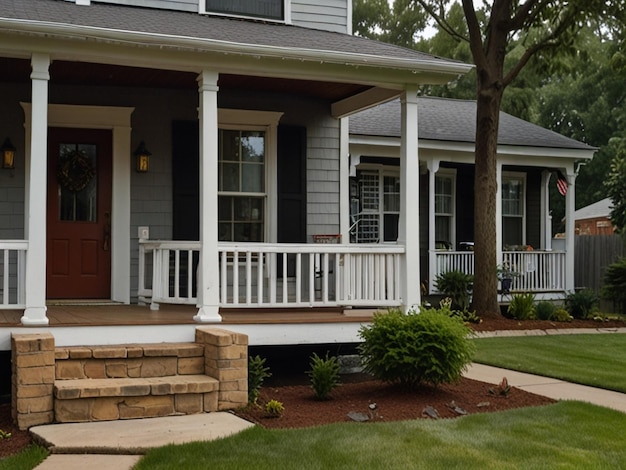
(128, 361)
(132, 387)
(84, 400)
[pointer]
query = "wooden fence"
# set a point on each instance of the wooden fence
(592, 255)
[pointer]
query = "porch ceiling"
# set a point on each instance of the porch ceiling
(82, 73)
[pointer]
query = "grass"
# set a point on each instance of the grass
(563, 435)
(29, 458)
(598, 360)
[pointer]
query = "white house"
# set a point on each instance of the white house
(196, 153)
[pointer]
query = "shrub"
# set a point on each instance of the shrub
(457, 285)
(274, 408)
(522, 307)
(324, 375)
(257, 373)
(445, 307)
(582, 303)
(544, 310)
(561, 315)
(425, 347)
(614, 287)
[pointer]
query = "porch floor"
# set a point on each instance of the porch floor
(98, 314)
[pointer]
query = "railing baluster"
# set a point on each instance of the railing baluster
(285, 298)
(5, 278)
(235, 277)
(248, 278)
(223, 278)
(298, 278)
(259, 276)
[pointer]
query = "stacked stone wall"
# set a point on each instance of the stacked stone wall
(93, 383)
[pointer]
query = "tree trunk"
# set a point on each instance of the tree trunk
(485, 296)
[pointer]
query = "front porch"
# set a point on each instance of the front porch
(103, 323)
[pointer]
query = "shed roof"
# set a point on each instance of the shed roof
(600, 208)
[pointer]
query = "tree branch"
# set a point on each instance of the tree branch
(440, 19)
(475, 36)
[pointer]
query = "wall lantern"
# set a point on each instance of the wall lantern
(143, 158)
(8, 154)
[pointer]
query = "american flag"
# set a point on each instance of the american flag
(561, 183)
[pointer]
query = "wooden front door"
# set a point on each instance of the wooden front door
(79, 214)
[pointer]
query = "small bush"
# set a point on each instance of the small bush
(457, 285)
(522, 307)
(581, 304)
(614, 287)
(544, 310)
(415, 348)
(561, 315)
(274, 409)
(324, 375)
(257, 373)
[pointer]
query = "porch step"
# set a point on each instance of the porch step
(81, 400)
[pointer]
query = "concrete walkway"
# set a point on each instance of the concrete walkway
(548, 387)
(118, 445)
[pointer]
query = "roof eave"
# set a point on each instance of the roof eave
(446, 69)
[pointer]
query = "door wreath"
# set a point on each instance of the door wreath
(76, 172)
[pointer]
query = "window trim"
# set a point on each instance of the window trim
(286, 13)
(520, 176)
(449, 173)
(266, 121)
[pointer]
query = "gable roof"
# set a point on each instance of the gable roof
(178, 29)
(600, 208)
(449, 120)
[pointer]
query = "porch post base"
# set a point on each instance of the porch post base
(208, 314)
(34, 316)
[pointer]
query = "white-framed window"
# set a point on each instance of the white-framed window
(246, 166)
(376, 206)
(513, 209)
(274, 10)
(445, 209)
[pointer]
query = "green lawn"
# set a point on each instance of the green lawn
(598, 360)
(27, 459)
(563, 435)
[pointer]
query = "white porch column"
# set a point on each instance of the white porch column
(344, 179)
(408, 229)
(433, 168)
(36, 171)
(499, 214)
(570, 207)
(208, 275)
(546, 218)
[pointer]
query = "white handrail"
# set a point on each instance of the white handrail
(535, 271)
(275, 275)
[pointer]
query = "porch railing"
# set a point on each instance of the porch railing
(275, 275)
(536, 271)
(12, 273)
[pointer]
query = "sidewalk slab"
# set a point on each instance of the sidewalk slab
(136, 436)
(548, 387)
(81, 462)
(547, 331)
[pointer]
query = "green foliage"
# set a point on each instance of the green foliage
(581, 304)
(457, 285)
(561, 315)
(257, 373)
(27, 459)
(445, 307)
(544, 310)
(616, 189)
(614, 287)
(4, 435)
(415, 348)
(324, 375)
(522, 306)
(274, 408)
